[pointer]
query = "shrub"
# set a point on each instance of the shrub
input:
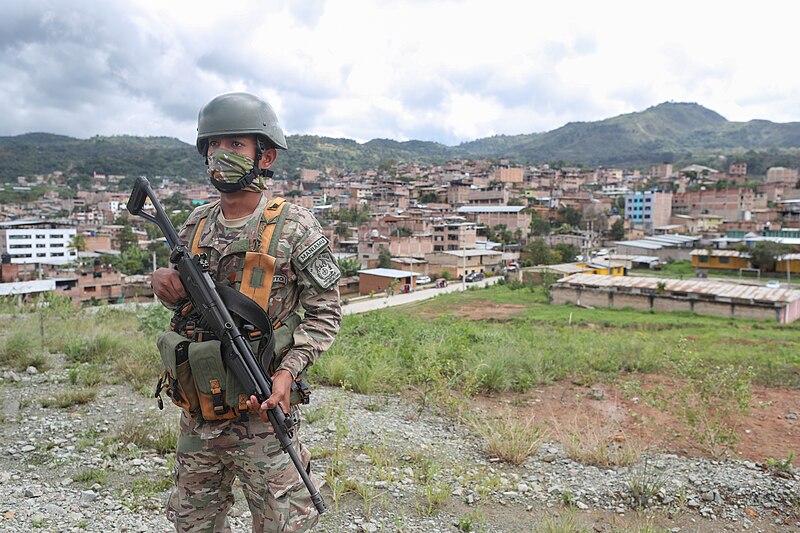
(97, 349)
(17, 349)
(154, 319)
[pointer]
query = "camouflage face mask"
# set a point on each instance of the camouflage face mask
(230, 167)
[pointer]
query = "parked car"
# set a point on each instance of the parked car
(512, 267)
(423, 279)
(474, 276)
(773, 284)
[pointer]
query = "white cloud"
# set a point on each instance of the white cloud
(447, 70)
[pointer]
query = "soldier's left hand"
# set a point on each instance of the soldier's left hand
(281, 390)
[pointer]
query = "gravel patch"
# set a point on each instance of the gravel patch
(397, 470)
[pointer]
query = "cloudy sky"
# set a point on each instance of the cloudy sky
(439, 70)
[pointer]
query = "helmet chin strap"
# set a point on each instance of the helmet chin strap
(247, 179)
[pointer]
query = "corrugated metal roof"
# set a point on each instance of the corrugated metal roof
(470, 253)
(720, 253)
(672, 239)
(491, 208)
(640, 244)
(27, 287)
(564, 268)
(388, 272)
(792, 241)
(700, 287)
(642, 258)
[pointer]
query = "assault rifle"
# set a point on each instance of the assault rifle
(203, 293)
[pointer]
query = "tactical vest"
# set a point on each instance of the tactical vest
(194, 375)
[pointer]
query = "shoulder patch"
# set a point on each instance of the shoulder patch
(324, 271)
(309, 251)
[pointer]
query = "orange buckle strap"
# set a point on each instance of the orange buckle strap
(216, 396)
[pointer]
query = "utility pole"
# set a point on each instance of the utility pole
(788, 271)
(463, 259)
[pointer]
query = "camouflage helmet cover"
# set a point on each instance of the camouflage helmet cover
(238, 114)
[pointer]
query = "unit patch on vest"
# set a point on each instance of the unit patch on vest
(278, 279)
(324, 271)
(307, 254)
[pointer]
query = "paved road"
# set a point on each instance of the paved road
(379, 302)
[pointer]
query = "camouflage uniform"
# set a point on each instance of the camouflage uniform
(211, 453)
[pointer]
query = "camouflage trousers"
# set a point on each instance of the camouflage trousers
(210, 455)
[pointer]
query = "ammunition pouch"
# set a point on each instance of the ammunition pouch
(195, 377)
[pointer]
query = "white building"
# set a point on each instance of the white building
(37, 241)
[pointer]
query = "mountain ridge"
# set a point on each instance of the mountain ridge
(670, 131)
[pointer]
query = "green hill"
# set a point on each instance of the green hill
(673, 132)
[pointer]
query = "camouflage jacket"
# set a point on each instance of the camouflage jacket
(306, 273)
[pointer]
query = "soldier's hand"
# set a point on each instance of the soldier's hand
(167, 286)
(281, 390)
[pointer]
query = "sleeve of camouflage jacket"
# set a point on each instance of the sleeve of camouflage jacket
(317, 278)
(183, 234)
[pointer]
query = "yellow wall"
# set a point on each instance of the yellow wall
(794, 266)
(615, 271)
(734, 263)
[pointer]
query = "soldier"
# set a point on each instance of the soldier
(247, 236)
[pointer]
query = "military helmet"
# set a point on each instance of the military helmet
(238, 114)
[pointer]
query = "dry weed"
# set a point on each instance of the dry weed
(592, 440)
(510, 437)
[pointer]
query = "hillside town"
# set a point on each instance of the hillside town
(406, 225)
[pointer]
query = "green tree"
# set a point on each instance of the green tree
(127, 238)
(162, 254)
(764, 254)
(540, 226)
(566, 251)
(132, 261)
(342, 229)
(349, 267)
(384, 258)
(569, 215)
(538, 253)
(503, 234)
(617, 232)
(428, 198)
(78, 243)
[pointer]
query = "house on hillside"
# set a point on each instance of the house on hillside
(375, 280)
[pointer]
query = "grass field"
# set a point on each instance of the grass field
(493, 339)
(540, 343)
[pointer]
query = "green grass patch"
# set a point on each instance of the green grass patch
(90, 476)
(393, 349)
(98, 348)
(21, 349)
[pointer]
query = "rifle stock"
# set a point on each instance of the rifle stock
(204, 297)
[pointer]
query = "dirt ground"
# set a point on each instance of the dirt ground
(769, 432)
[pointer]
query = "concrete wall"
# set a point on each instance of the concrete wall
(757, 313)
(645, 302)
(636, 301)
(713, 308)
(370, 283)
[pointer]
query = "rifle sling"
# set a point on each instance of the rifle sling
(239, 304)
